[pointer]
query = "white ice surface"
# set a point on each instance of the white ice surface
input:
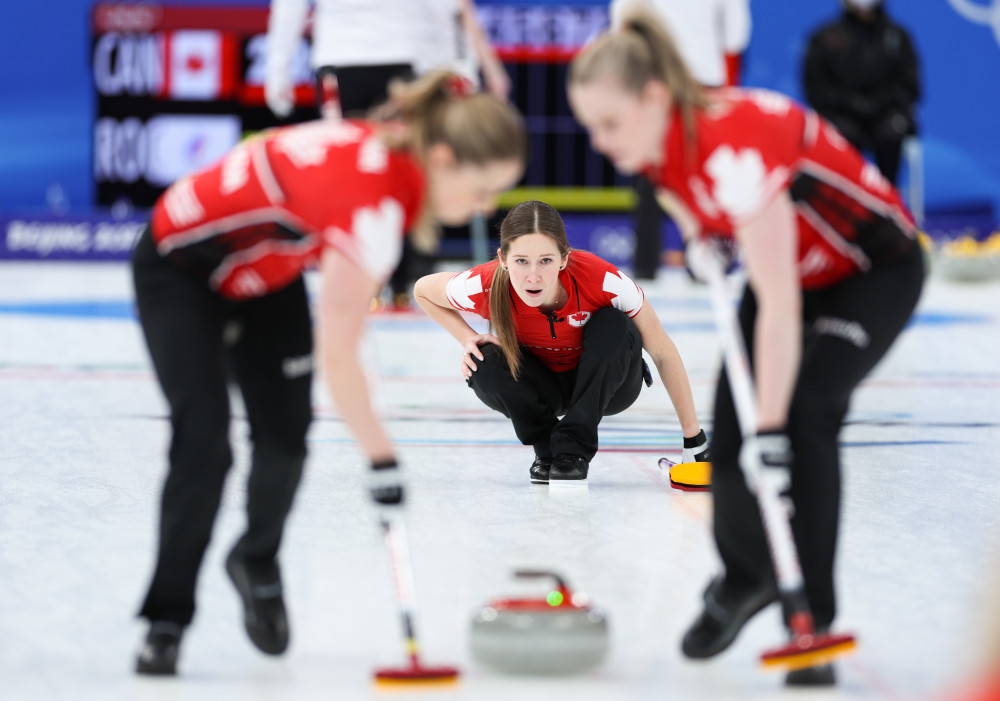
(82, 455)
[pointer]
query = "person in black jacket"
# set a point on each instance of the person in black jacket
(861, 74)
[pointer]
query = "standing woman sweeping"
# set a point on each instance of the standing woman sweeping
(218, 278)
(834, 273)
(570, 329)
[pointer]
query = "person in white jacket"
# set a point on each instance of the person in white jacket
(358, 47)
(454, 39)
(360, 44)
(711, 36)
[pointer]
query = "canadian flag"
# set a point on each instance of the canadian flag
(201, 65)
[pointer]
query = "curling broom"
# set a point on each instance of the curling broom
(807, 648)
(402, 577)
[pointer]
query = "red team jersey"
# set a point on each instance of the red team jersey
(556, 337)
(255, 220)
(751, 144)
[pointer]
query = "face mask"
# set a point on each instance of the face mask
(865, 4)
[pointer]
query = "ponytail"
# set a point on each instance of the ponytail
(502, 319)
(440, 107)
(642, 50)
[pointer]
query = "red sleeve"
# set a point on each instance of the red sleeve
(607, 283)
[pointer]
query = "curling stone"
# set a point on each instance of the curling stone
(559, 633)
(688, 476)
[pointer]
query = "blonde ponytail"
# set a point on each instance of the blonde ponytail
(439, 108)
(641, 50)
(502, 319)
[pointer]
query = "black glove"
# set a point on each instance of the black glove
(385, 485)
(696, 448)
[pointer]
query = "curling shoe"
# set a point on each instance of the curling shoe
(568, 468)
(820, 675)
(724, 616)
(158, 656)
(539, 470)
(264, 613)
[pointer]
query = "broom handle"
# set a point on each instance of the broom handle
(402, 578)
(773, 511)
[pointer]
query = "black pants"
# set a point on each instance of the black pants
(607, 381)
(196, 339)
(361, 89)
(848, 328)
(648, 224)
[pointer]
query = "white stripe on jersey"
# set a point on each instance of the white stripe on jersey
(248, 282)
(839, 243)
(265, 175)
(811, 131)
(865, 198)
(264, 215)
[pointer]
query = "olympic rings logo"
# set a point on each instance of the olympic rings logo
(988, 15)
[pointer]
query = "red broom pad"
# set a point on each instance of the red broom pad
(808, 649)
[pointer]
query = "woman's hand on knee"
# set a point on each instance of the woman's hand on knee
(471, 351)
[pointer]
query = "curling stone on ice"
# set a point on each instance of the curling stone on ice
(688, 476)
(558, 633)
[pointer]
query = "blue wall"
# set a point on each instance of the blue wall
(46, 105)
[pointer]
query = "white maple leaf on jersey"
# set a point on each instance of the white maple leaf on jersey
(739, 179)
(306, 145)
(461, 288)
(625, 294)
(378, 234)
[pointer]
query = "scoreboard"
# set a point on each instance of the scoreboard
(178, 86)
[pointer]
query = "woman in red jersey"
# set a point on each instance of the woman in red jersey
(834, 273)
(570, 329)
(218, 278)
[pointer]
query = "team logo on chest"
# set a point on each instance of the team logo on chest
(578, 319)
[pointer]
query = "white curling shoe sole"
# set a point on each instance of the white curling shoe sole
(566, 484)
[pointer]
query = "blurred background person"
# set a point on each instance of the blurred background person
(358, 47)
(711, 36)
(454, 39)
(861, 74)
